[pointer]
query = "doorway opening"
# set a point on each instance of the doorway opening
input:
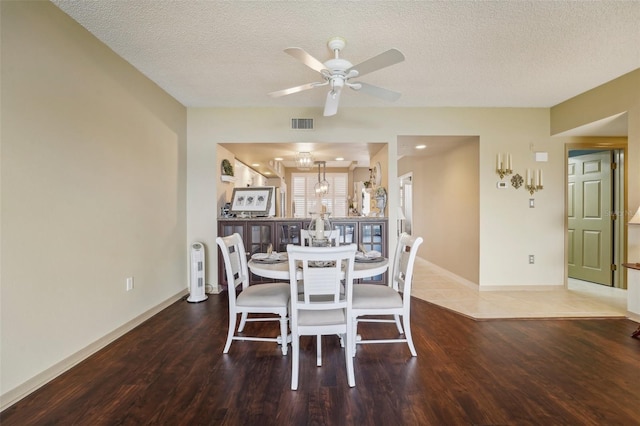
(405, 212)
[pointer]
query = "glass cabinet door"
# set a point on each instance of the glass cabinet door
(287, 233)
(347, 232)
(372, 236)
(228, 228)
(259, 236)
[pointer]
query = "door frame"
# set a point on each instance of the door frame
(408, 214)
(620, 228)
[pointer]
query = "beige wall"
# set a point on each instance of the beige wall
(224, 190)
(93, 191)
(508, 229)
(446, 208)
(614, 97)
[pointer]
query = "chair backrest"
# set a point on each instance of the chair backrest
(324, 271)
(405, 256)
(235, 263)
(332, 235)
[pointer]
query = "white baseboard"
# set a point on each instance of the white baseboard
(16, 394)
(522, 287)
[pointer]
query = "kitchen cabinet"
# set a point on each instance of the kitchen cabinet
(348, 234)
(258, 233)
(373, 236)
(287, 232)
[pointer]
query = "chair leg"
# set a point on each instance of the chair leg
(283, 334)
(232, 328)
(351, 379)
(319, 350)
(407, 334)
(354, 338)
(398, 324)
(243, 321)
(295, 360)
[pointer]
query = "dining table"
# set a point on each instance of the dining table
(278, 267)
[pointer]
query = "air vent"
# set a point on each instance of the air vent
(302, 123)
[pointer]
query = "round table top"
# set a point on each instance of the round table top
(280, 270)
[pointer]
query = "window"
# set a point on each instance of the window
(305, 200)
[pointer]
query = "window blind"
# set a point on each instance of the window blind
(306, 201)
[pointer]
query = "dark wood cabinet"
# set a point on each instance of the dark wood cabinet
(258, 237)
(348, 232)
(257, 234)
(287, 232)
(373, 236)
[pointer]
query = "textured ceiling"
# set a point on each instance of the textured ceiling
(458, 53)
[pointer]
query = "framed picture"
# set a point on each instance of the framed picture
(251, 200)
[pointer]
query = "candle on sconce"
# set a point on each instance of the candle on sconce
(540, 178)
(509, 162)
(528, 177)
(498, 161)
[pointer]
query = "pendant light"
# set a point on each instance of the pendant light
(322, 187)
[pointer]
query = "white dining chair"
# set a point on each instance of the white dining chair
(393, 299)
(270, 298)
(324, 305)
(333, 235)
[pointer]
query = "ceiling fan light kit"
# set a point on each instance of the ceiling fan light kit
(337, 73)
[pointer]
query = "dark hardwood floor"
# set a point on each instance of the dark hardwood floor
(171, 371)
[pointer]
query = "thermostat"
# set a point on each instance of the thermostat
(502, 185)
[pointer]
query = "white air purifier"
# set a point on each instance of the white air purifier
(196, 282)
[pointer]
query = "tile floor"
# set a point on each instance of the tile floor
(580, 300)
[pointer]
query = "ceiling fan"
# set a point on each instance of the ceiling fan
(337, 73)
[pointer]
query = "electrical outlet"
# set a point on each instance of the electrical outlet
(532, 203)
(532, 259)
(129, 285)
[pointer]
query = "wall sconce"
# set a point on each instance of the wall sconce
(534, 181)
(503, 165)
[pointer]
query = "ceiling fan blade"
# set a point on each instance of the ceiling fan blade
(331, 105)
(379, 92)
(385, 59)
(305, 58)
(291, 90)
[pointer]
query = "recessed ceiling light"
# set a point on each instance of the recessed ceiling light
(421, 146)
(267, 173)
(278, 158)
(255, 164)
(339, 158)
